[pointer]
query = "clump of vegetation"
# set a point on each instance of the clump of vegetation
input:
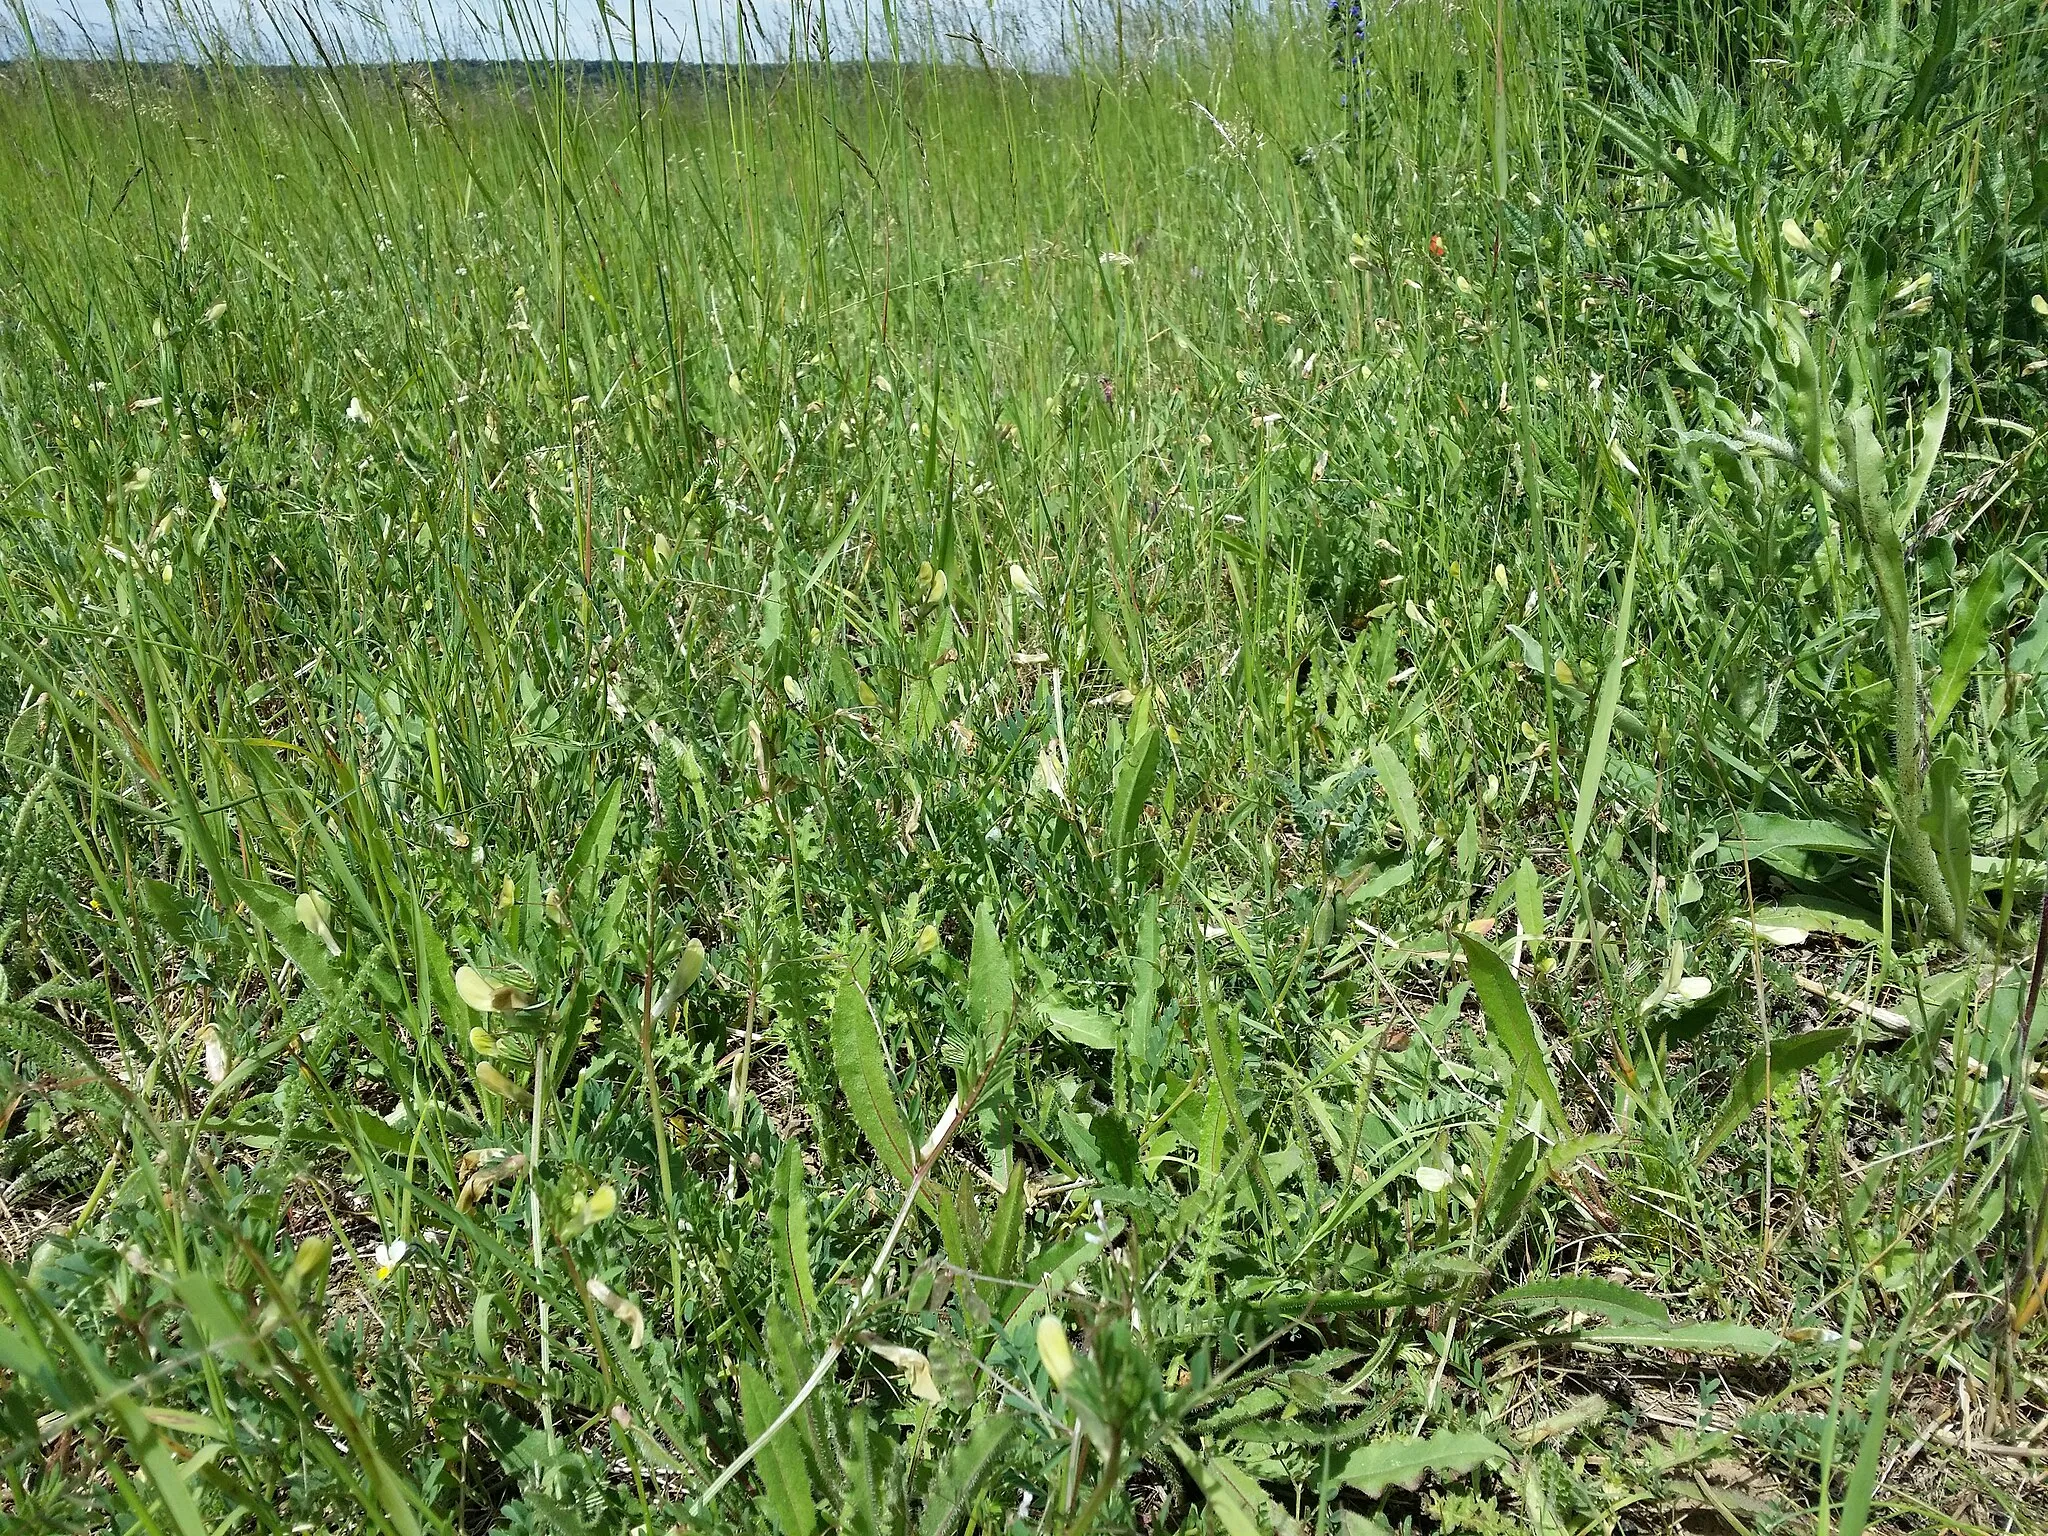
(1293, 781)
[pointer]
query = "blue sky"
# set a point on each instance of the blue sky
(1024, 30)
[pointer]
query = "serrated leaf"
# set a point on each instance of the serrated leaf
(951, 1498)
(784, 1478)
(1089, 1027)
(1585, 1293)
(1403, 1461)
(865, 1079)
(1789, 1056)
(277, 910)
(1692, 1338)
(1507, 1015)
(789, 1224)
(1393, 777)
(1969, 631)
(594, 844)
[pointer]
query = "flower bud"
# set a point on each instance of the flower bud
(1053, 1351)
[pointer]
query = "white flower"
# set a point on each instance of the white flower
(916, 1369)
(1053, 1351)
(484, 994)
(356, 412)
(313, 911)
(1783, 935)
(216, 1055)
(389, 1256)
(1435, 1180)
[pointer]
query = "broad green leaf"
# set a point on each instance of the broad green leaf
(1090, 1027)
(1403, 1461)
(1947, 823)
(1507, 1015)
(1585, 1293)
(1863, 1477)
(276, 910)
(1933, 428)
(219, 1326)
(1050, 1271)
(1102, 627)
(1143, 1043)
(1760, 834)
(784, 1478)
(1603, 715)
(1788, 1056)
(594, 845)
(1384, 883)
(1693, 1338)
(1821, 916)
(1969, 632)
(865, 1079)
(1393, 776)
(1133, 783)
(951, 1498)
(1006, 1228)
(1232, 1495)
(990, 991)
(1529, 899)
(790, 1226)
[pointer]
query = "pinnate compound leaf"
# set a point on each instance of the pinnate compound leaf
(1404, 1460)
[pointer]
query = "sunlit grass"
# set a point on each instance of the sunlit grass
(971, 761)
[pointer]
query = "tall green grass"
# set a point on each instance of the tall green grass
(1279, 719)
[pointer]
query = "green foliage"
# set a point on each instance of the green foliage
(944, 756)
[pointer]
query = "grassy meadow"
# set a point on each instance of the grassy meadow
(1292, 782)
